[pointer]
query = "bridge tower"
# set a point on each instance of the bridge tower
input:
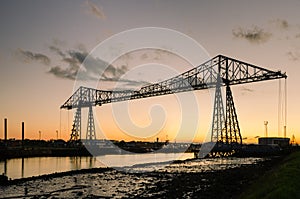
(218, 119)
(91, 132)
(76, 128)
(225, 126)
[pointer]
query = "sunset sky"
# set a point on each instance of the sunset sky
(43, 44)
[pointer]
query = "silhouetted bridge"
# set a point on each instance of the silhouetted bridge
(214, 73)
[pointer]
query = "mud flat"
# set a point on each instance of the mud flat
(208, 178)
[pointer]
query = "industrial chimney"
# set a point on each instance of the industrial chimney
(5, 129)
(23, 133)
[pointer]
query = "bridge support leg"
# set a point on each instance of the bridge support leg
(231, 121)
(218, 120)
(76, 128)
(91, 132)
(225, 127)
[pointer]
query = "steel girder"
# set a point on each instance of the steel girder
(204, 76)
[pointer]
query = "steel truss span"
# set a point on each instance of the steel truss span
(214, 73)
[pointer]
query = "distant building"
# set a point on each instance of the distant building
(281, 142)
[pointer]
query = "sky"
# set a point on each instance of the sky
(44, 43)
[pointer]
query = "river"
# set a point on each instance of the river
(27, 167)
(183, 179)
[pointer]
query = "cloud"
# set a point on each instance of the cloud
(155, 54)
(81, 47)
(57, 51)
(77, 64)
(95, 10)
(294, 56)
(28, 56)
(63, 73)
(254, 35)
(59, 42)
(72, 59)
(280, 23)
(92, 68)
(78, 56)
(247, 89)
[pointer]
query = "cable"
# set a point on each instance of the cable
(285, 95)
(68, 123)
(279, 107)
(282, 124)
(282, 107)
(59, 123)
(285, 105)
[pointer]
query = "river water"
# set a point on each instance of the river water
(187, 177)
(27, 167)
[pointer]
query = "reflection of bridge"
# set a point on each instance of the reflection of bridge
(215, 73)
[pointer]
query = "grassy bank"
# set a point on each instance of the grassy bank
(283, 181)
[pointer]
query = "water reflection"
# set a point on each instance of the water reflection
(5, 167)
(22, 175)
(27, 167)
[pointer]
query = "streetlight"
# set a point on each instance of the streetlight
(266, 128)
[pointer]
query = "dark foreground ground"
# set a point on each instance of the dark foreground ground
(111, 183)
(282, 181)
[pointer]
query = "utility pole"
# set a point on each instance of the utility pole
(266, 128)
(56, 134)
(40, 135)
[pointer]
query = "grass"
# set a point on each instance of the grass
(281, 182)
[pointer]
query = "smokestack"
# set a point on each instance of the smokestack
(5, 129)
(22, 133)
